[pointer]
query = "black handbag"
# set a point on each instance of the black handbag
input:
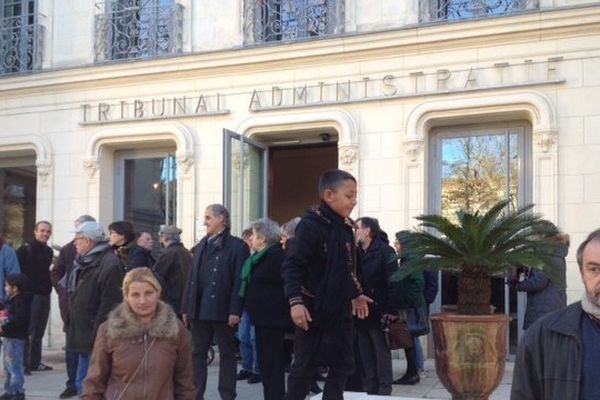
(417, 319)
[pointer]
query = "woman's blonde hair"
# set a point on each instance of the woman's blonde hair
(143, 275)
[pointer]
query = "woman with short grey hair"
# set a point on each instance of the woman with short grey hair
(265, 302)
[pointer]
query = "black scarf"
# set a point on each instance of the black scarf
(333, 294)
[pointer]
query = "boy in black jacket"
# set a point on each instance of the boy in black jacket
(322, 289)
(14, 330)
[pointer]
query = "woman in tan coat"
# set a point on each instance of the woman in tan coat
(142, 351)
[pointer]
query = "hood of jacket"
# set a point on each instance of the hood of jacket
(123, 324)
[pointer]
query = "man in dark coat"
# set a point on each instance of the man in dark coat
(35, 258)
(173, 266)
(62, 268)
(94, 286)
(211, 304)
(557, 357)
(378, 262)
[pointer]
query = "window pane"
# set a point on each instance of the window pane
(18, 203)
(150, 189)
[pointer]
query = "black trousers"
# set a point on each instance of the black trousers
(203, 333)
(332, 347)
(376, 360)
(271, 360)
(40, 309)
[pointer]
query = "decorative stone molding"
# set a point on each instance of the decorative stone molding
(304, 119)
(413, 148)
(185, 162)
(91, 167)
(529, 104)
(348, 156)
(545, 140)
(44, 170)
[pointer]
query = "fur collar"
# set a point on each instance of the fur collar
(122, 323)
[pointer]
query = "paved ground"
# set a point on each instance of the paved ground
(47, 385)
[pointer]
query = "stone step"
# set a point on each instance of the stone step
(364, 396)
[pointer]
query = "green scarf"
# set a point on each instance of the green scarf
(249, 264)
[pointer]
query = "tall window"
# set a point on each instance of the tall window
(17, 203)
(451, 10)
(289, 20)
(20, 36)
(146, 189)
(137, 29)
(472, 169)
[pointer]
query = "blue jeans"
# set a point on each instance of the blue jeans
(83, 362)
(247, 337)
(71, 359)
(13, 365)
(419, 354)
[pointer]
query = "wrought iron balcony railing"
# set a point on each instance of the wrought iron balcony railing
(453, 10)
(289, 20)
(130, 29)
(21, 40)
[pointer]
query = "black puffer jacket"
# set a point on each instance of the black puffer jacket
(548, 364)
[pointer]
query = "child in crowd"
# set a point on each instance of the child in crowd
(14, 331)
(322, 289)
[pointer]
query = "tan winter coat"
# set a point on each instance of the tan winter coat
(165, 374)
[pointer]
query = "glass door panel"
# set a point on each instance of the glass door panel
(244, 182)
(473, 169)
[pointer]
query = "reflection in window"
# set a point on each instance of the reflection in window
(137, 29)
(452, 10)
(478, 171)
(20, 36)
(288, 20)
(150, 192)
(17, 204)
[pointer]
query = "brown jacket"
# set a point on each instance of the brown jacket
(165, 374)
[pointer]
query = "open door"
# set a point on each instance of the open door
(244, 179)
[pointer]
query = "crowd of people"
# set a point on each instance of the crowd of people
(311, 297)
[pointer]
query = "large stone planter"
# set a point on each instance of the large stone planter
(470, 353)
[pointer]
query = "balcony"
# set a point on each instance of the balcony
(290, 20)
(134, 29)
(21, 40)
(455, 10)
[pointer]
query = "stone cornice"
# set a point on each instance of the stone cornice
(362, 45)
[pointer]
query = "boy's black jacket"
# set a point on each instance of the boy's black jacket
(18, 316)
(320, 267)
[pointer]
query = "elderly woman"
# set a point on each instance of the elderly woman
(142, 351)
(262, 289)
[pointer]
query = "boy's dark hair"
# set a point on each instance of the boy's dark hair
(20, 281)
(333, 179)
(372, 224)
(124, 228)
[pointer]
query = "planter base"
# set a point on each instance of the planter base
(470, 353)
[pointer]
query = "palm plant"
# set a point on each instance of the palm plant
(480, 246)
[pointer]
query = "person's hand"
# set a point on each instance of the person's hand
(391, 317)
(300, 316)
(233, 320)
(184, 318)
(360, 306)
